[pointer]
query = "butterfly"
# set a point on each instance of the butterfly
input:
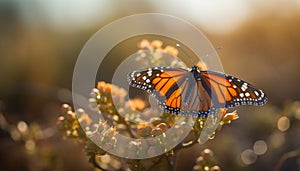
(195, 92)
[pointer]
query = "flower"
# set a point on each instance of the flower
(228, 117)
(83, 117)
(143, 129)
(136, 125)
(171, 50)
(144, 44)
(136, 104)
(157, 131)
(112, 89)
(104, 87)
(156, 44)
(117, 91)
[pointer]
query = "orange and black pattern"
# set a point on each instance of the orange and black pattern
(194, 92)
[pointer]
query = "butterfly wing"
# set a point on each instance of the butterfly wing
(164, 83)
(224, 91)
(180, 91)
(227, 91)
(196, 93)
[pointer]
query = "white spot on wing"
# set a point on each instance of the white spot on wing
(149, 73)
(262, 93)
(244, 87)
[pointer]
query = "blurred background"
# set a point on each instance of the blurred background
(41, 40)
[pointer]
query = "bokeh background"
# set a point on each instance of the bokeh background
(41, 40)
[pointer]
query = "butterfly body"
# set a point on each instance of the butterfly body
(194, 92)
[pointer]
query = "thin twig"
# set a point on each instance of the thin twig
(128, 128)
(295, 153)
(174, 160)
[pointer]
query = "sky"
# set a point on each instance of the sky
(216, 16)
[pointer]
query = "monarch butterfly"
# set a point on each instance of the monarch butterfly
(194, 92)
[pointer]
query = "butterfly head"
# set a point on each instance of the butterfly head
(196, 72)
(195, 68)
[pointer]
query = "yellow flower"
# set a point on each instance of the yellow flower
(117, 91)
(136, 104)
(228, 117)
(103, 86)
(144, 44)
(85, 119)
(110, 88)
(171, 50)
(156, 44)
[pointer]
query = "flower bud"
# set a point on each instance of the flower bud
(157, 131)
(70, 115)
(156, 44)
(155, 121)
(197, 168)
(162, 126)
(207, 153)
(199, 160)
(94, 93)
(215, 168)
(144, 131)
(65, 108)
(60, 123)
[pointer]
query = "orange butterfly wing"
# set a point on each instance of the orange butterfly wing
(194, 92)
(229, 91)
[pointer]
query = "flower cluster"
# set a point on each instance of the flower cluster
(153, 53)
(205, 162)
(78, 125)
(69, 123)
(126, 119)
